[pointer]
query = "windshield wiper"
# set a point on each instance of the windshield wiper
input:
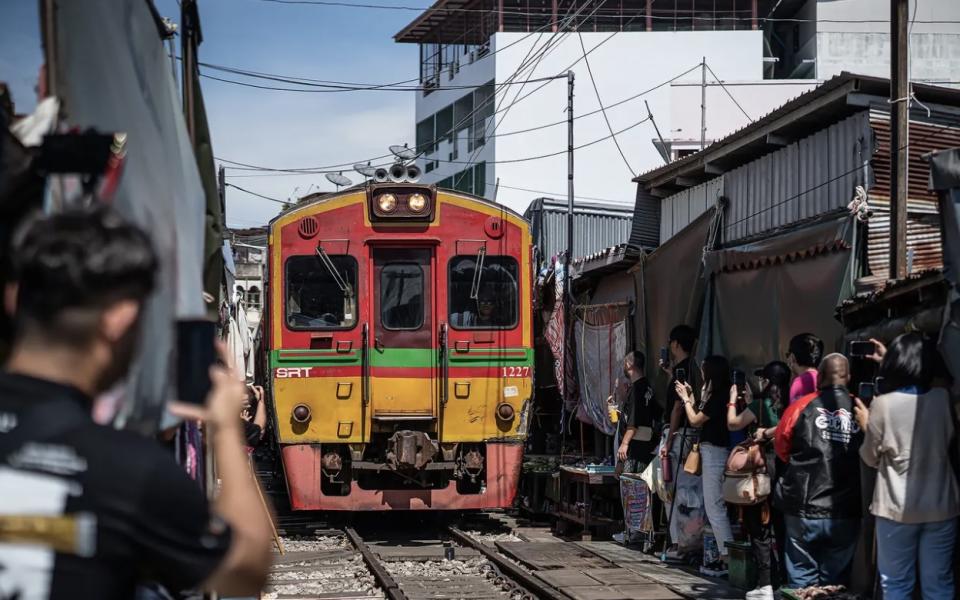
(332, 269)
(478, 273)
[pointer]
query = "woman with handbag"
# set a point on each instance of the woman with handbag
(710, 417)
(910, 438)
(760, 414)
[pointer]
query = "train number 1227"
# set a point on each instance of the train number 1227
(516, 371)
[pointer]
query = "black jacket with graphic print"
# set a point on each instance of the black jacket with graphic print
(819, 439)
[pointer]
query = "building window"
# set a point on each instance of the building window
(253, 297)
(314, 297)
(425, 139)
(485, 302)
(480, 179)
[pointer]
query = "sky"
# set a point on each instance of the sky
(272, 128)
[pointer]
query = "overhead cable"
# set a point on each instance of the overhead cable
(606, 119)
(609, 13)
(724, 88)
(258, 195)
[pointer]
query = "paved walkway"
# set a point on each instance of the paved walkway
(609, 571)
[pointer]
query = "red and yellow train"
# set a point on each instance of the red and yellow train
(398, 330)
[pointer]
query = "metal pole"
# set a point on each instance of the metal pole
(222, 189)
(568, 329)
(188, 51)
(569, 166)
(703, 103)
(899, 136)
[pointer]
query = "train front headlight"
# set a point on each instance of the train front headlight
(387, 203)
(417, 203)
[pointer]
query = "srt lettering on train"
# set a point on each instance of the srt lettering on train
(287, 372)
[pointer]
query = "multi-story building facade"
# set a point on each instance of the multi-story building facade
(481, 120)
(250, 259)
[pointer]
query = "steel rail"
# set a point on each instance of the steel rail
(386, 581)
(533, 585)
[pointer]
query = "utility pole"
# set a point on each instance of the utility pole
(568, 317)
(703, 103)
(189, 40)
(899, 135)
(222, 190)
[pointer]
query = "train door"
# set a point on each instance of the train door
(403, 356)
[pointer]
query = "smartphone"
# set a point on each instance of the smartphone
(858, 348)
(664, 356)
(865, 392)
(196, 353)
(681, 375)
(739, 379)
(878, 387)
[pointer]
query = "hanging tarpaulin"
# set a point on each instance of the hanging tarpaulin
(600, 351)
(556, 325)
(945, 178)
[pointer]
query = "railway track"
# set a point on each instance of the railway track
(441, 563)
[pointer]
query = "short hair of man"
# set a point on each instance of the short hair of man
(807, 350)
(833, 370)
(70, 266)
(685, 336)
(638, 358)
(910, 361)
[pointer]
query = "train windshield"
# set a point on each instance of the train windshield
(401, 296)
(484, 300)
(315, 298)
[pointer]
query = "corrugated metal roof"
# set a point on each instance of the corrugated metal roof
(645, 231)
(826, 104)
(595, 226)
(813, 176)
(924, 247)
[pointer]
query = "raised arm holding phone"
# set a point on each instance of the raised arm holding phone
(82, 279)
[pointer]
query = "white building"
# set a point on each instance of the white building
(480, 122)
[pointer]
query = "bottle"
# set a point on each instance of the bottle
(666, 467)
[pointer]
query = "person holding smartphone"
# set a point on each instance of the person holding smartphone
(81, 282)
(909, 433)
(677, 367)
(710, 416)
(761, 413)
(254, 416)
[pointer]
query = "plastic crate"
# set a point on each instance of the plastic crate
(742, 568)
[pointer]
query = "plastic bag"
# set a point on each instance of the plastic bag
(637, 505)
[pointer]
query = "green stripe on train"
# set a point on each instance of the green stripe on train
(402, 357)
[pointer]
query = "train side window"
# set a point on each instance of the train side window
(315, 299)
(401, 296)
(494, 304)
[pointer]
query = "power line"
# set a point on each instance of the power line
(606, 119)
(328, 89)
(724, 88)
(258, 195)
(610, 13)
(541, 156)
(339, 167)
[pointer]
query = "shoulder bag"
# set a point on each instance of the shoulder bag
(746, 481)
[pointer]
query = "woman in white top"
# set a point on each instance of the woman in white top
(909, 437)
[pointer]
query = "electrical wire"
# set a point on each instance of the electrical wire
(606, 119)
(237, 187)
(339, 167)
(724, 88)
(613, 13)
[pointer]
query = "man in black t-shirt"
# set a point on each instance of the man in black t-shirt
(641, 415)
(87, 511)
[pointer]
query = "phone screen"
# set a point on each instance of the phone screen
(664, 356)
(739, 379)
(862, 348)
(195, 355)
(865, 392)
(681, 375)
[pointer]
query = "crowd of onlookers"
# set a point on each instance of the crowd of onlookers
(809, 435)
